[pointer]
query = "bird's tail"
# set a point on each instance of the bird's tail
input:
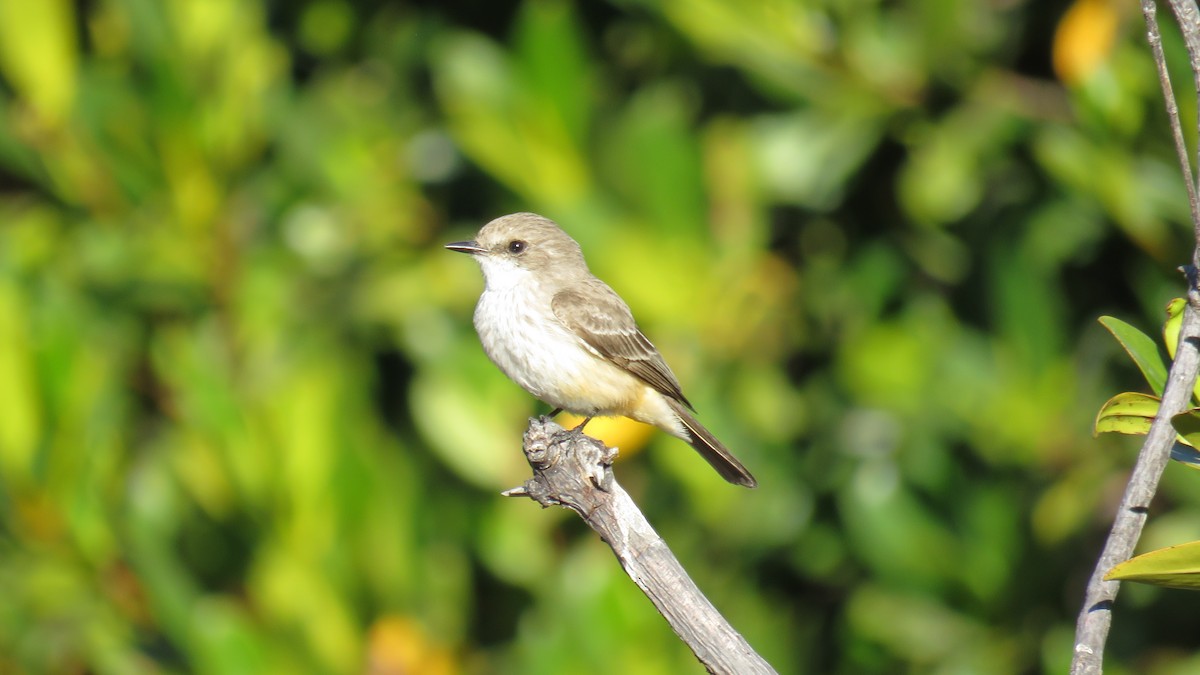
(711, 449)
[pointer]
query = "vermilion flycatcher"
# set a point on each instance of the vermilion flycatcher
(569, 339)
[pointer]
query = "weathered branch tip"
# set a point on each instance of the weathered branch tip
(574, 470)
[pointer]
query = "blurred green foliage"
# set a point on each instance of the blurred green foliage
(246, 427)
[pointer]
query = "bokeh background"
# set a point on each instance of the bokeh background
(246, 426)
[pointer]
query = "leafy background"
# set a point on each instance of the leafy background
(246, 427)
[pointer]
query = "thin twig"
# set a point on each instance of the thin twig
(1154, 37)
(575, 471)
(1187, 15)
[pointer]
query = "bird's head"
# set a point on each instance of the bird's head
(516, 247)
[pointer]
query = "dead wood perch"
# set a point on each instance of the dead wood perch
(575, 471)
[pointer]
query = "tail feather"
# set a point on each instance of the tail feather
(711, 449)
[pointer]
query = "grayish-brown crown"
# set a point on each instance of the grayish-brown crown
(532, 242)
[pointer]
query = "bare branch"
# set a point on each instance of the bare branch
(575, 471)
(1091, 629)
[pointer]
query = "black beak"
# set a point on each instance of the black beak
(466, 247)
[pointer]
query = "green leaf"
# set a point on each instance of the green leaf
(39, 54)
(21, 414)
(553, 64)
(1171, 329)
(1172, 567)
(1127, 413)
(1133, 413)
(500, 122)
(1173, 324)
(1187, 425)
(1142, 349)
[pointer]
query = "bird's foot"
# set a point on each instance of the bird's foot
(579, 429)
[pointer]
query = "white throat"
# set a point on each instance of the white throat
(502, 274)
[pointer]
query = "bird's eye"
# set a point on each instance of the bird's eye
(516, 246)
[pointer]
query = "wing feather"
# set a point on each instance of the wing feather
(602, 320)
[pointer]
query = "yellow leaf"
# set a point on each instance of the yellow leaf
(1173, 567)
(398, 646)
(1127, 413)
(1084, 39)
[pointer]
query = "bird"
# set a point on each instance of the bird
(568, 339)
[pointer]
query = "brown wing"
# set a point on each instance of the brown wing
(600, 318)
